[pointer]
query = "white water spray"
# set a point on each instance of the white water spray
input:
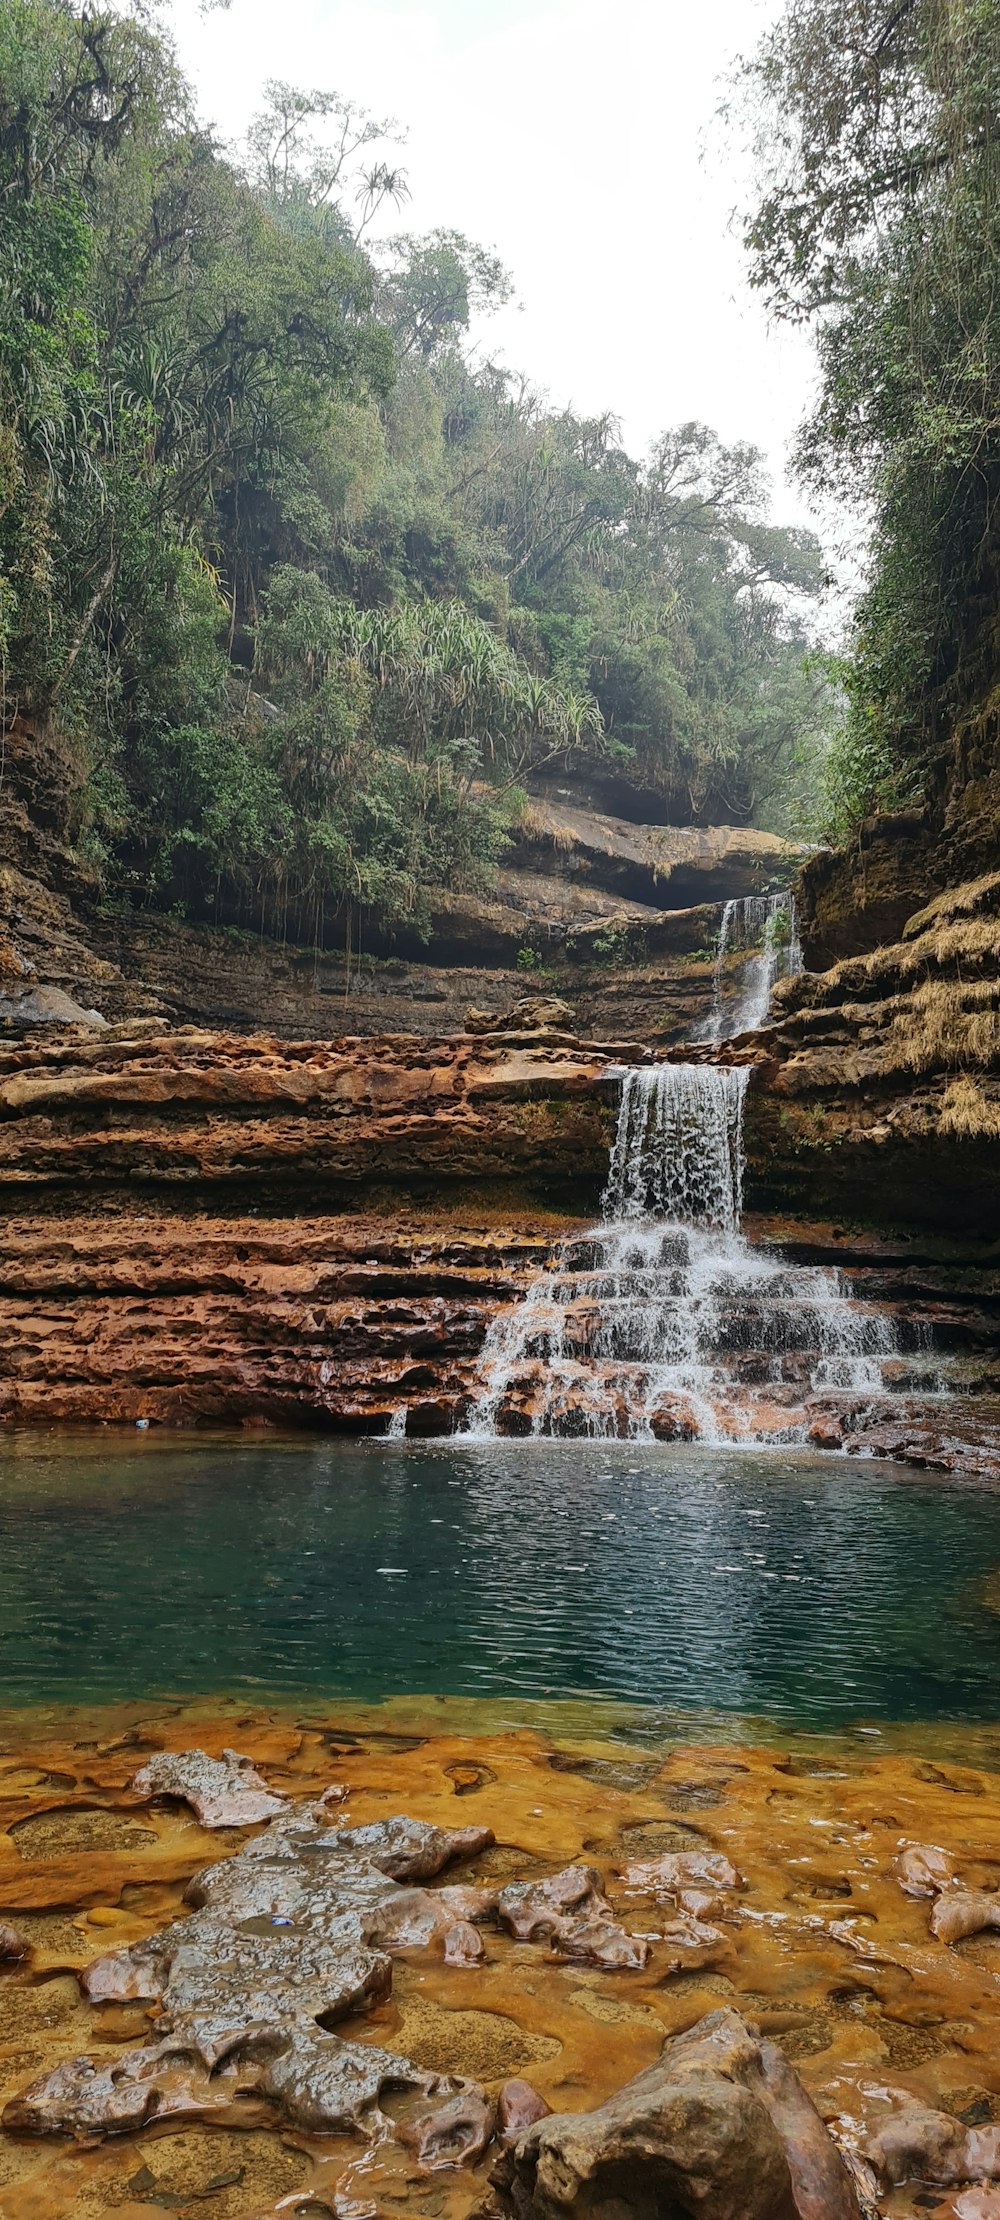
(663, 1320)
(764, 930)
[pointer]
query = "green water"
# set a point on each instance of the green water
(798, 1589)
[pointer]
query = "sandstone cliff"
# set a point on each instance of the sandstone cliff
(879, 1089)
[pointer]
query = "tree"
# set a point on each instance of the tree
(879, 218)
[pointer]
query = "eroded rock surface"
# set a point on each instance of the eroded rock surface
(571, 1912)
(825, 1955)
(879, 1080)
(916, 2143)
(289, 1937)
(223, 1792)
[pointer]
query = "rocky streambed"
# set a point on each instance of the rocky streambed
(343, 1973)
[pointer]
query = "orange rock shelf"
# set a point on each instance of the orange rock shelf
(821, 1948)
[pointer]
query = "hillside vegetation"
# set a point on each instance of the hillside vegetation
(878, 221)
(306, 592)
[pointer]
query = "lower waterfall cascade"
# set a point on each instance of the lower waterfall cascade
(764, 929)
(663, 1321)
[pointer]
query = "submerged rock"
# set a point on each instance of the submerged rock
(675, 1869)
(720, 2128)
(222, 1792)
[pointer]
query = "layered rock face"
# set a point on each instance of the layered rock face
(177, 1317)
(205, 1228)
(852, 899)
(208, 1223)
(622, 913)
(196, 1108)
(176, 1244)
(879, 1087)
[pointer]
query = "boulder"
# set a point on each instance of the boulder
(48, 1006)
(721, 2128)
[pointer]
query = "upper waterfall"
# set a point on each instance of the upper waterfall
(764, 930)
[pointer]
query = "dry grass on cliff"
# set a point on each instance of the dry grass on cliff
(974, 897)
(967, 1114)
(970, 944)
(946, 1023)
(537, 826)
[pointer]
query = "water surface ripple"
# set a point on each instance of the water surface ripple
(774, 1584)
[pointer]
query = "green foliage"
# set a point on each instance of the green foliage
(613, 946)
(879, 219)
(315, 597)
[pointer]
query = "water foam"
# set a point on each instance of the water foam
(664, 1318)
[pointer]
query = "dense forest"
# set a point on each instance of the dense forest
(306, 587)
(878, 221)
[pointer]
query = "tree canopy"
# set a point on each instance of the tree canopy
(310, 589)
(879, 220)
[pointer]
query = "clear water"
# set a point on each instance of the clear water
(799, 1589)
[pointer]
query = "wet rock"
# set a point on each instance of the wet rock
(701, 1903)
(923, 1870)
(462, 1945)
(410, 1849)
(694, 1934)
(918, 2143)
(674, 1419)
(82, 2098)
(286, 1939)
(720, 2128)
(677, 1868)
(469, 1903)
(456, 2134)
(222, 1792)
(600, 1942)
(329, 2087)
(570, 1912)
(518, 2107)
(531, 1910)
(959, 1913)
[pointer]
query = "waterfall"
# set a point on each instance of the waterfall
(663, 1321)
(678, 1149)
(764, 929)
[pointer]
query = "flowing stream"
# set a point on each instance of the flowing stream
(663, 1320)
(763, 929)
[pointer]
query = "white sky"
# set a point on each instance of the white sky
(576, 137)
